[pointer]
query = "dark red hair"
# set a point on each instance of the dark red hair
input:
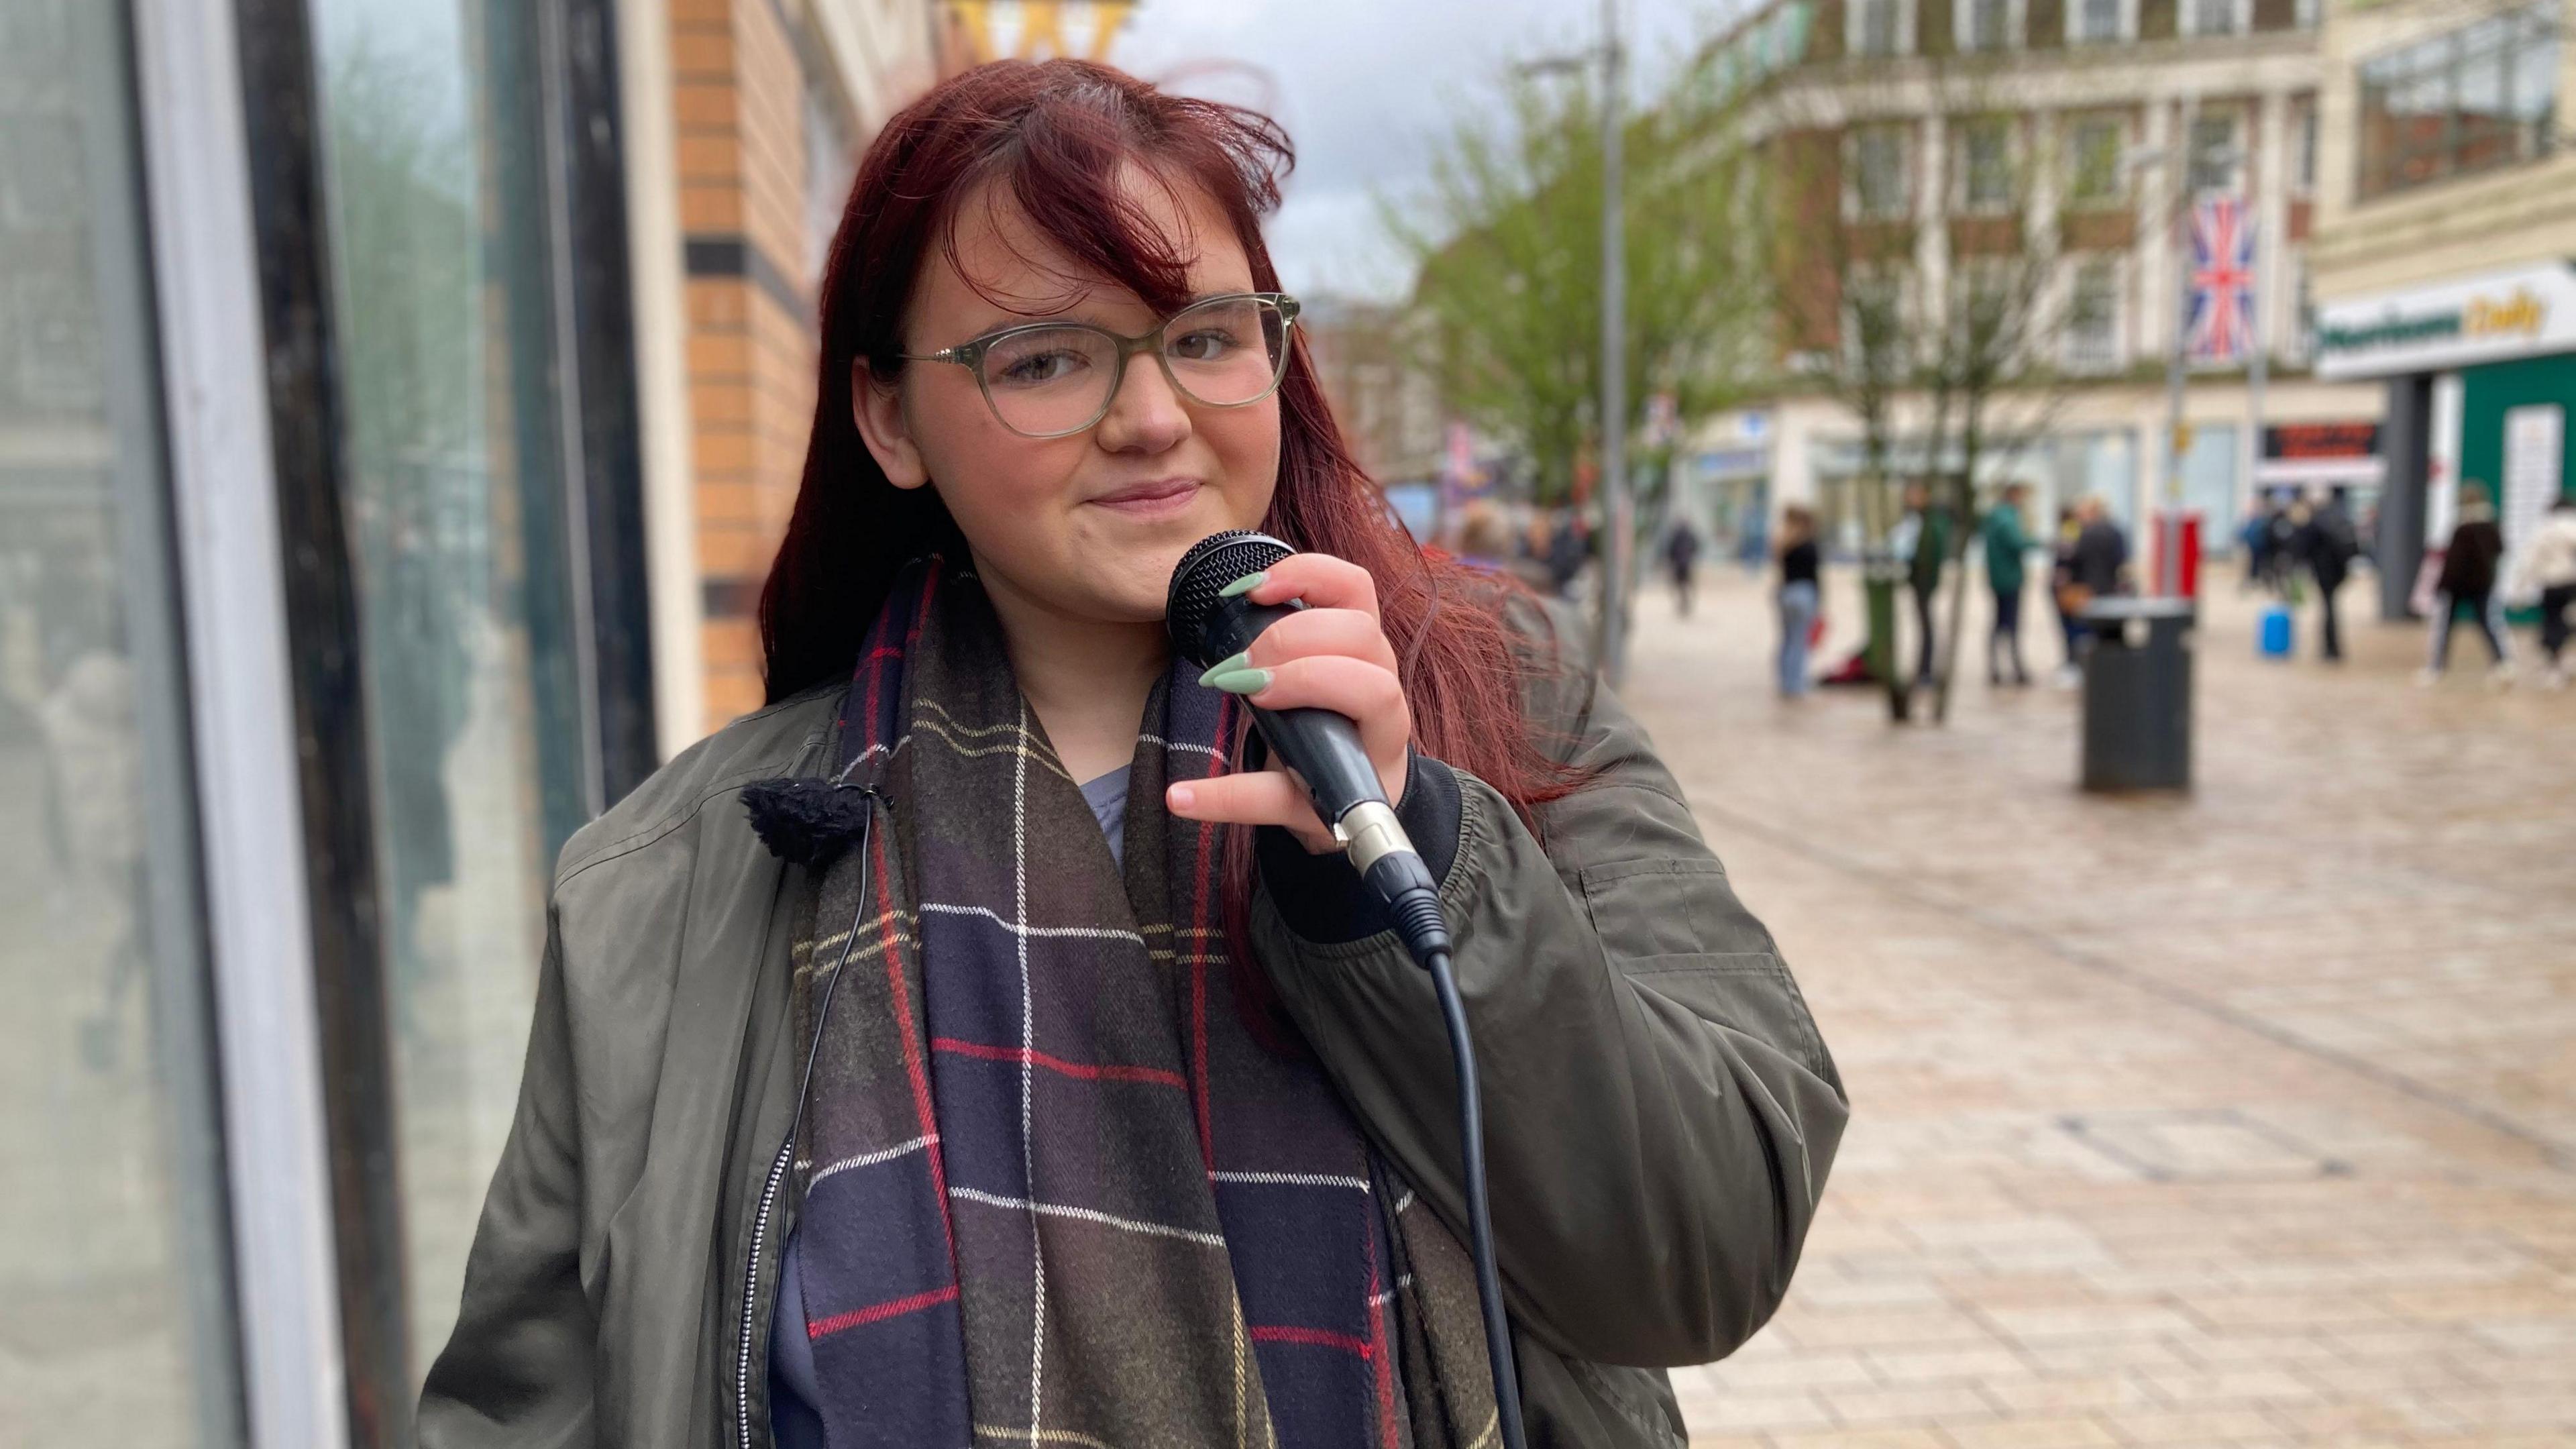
(1056, 135)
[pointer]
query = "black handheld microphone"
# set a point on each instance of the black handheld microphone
(1321, 746)
(1324, 747)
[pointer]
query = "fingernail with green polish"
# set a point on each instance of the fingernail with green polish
(1227, 665)
(1244, 585)
(1242, 681)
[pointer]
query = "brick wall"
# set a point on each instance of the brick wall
(739, 94)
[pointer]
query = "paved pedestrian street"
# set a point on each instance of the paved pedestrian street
(2243, 1119)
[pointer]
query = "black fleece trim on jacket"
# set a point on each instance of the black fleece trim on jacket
(1322, 898)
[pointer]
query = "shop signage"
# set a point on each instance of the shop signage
(2521, 312)
(2313, 442)
(2328, 452)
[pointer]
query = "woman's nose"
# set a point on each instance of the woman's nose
(1148, 415)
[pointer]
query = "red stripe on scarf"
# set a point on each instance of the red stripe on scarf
(1320, 1337)
(1028, 1057)
(923, 1112)
(1378, 1355)
(878, 1312)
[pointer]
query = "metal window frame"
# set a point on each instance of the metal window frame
(234, 623)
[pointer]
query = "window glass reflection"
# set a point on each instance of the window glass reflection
(432, 133)
(113, 1233)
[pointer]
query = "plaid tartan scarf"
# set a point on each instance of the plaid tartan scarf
(1054, 1190)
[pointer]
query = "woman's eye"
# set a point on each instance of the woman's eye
(1203, 346)
(1053, 365)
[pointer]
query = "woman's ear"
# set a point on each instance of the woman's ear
(877, 407)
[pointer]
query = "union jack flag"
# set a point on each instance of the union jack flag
(2222, 280)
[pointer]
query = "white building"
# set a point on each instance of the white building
(2074, 131)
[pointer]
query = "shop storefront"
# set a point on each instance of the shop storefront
(2481, 374)
(321, 626)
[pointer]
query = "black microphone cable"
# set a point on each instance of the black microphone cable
(1415, 905)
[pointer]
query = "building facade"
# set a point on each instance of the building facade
(2446, 255)
(748, 117)
(2074, 144)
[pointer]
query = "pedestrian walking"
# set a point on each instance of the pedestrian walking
(2006, 546)
(1018, 1058)
(1927, 534)
(1681, 557)
(2546, 567)
(2322, 540)
(2467, 584)
(1801, 597)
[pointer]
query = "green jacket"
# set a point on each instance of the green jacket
(1660, 1112)
(2006, 547)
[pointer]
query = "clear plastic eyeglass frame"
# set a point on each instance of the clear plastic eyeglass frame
(970, 355)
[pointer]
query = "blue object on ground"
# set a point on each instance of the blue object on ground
(2273, 637)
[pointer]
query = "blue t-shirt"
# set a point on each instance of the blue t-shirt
(794, 1389)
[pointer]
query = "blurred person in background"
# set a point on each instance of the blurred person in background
(1800, 596)
(2322, 541)
(1681, 558)
(2097, 568)
(2063, 597)
(2467, 584)
(1568, 546)
(1925, 532)
(2255, 536)
(2007, 545)
(2545, 569)
(861, 1120)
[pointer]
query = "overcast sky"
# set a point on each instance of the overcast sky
(1366, 87)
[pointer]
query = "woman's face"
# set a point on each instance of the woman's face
(1088, 525)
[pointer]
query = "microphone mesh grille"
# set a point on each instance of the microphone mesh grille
(1212, 563)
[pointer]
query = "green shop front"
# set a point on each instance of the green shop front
(2481, 373)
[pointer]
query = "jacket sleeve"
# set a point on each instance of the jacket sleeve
(1660, 1112)
(517, 1370)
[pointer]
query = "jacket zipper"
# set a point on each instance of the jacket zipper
(778, 1165)
(751, 1276)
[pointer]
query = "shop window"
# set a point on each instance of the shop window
(2470, 100)
(114, 1211)
(444, 299)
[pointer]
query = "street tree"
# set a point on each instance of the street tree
(1507, 296)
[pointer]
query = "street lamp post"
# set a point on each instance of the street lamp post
(1610, 626)
(1611, 629)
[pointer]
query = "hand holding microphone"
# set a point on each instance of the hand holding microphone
(1331, 655)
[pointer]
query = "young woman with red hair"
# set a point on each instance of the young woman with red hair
(1050, 1081)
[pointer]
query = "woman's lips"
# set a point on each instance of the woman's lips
(1159, 499)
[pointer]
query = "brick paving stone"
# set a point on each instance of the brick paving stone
(2251, 1110)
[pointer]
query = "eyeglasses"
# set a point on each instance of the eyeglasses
(1052, 379)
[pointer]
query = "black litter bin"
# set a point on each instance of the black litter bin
(2137, 694)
